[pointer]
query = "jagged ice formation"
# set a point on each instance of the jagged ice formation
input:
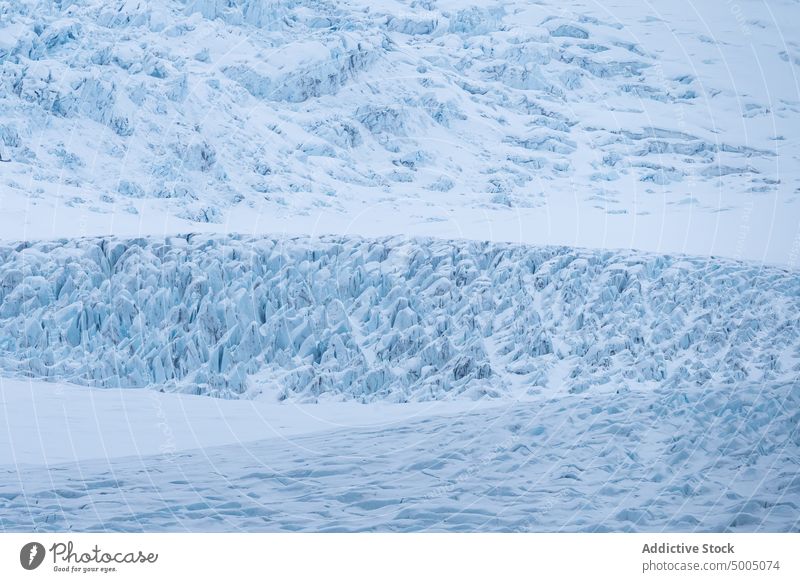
(393, 318)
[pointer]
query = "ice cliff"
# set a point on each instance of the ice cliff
(393, 318)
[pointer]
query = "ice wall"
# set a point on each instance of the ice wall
(394, 318)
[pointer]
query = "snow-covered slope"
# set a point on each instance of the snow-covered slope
(668, 127)
(389, 319)
(703, 458)
(55, 423)
(415, 204)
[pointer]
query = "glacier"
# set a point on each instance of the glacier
(399, 265)
(514, 121)
(396, 318)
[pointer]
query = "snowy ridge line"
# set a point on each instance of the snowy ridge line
(387, 319)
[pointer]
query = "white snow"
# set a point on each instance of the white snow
(442, 265)
(699, 459)
(668, 127)
(392, 319)
(54, 423)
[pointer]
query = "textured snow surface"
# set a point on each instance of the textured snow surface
(710, 458)
(314, 147)
(669, 127)
(50, 423)
(390, 319)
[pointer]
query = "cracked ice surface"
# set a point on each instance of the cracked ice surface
(666, 128)
(393, 319)
(612, 389)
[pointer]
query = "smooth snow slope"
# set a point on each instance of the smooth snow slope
(666, 126)
(393, 319)
(47, 423)
(697, 459)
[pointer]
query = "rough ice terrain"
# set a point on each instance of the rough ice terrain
(389, 319)
(667, 126)
(630, 391)
(485, 265)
